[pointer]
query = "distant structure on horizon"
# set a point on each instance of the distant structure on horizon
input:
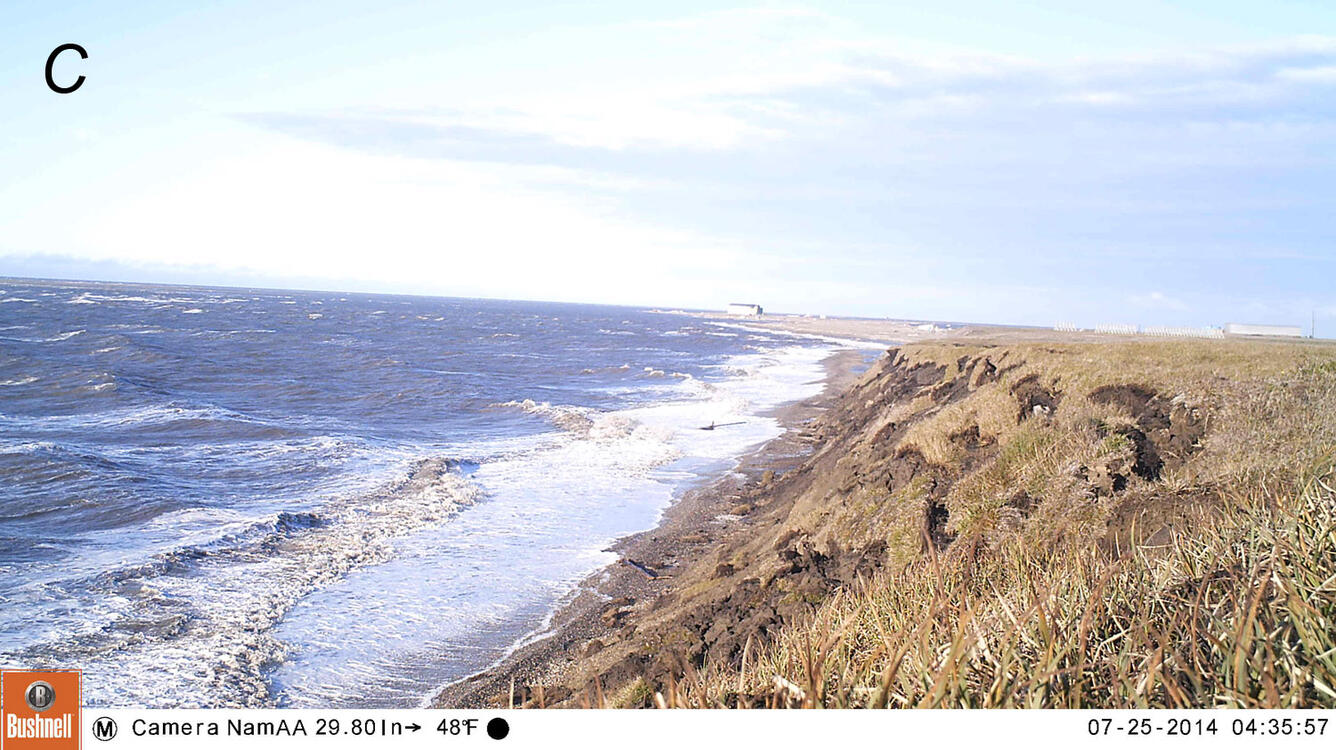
(1249, 329)
(744, 308)
(1208, 332)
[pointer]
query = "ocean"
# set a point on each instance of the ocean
(233, 497)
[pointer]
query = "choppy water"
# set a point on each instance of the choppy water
(241, 497)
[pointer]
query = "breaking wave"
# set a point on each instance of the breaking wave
(200, 615)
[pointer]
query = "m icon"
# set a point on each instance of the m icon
(104, 728)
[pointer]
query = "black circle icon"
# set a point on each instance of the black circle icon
(498, 728)
(39, 696)
(104, 728)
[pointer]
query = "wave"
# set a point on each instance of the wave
(90, 298)
(655, 372)
(48, 340)
(172, 414)
(194, 623)
(570, 418)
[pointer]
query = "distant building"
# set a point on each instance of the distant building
(744, 308)
(1248, 329)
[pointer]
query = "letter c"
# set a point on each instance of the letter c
(51, 61)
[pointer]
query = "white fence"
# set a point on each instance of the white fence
(1123, 329)
(1183, 331)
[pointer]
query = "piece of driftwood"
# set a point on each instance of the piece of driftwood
(648, 572)
(712, 425)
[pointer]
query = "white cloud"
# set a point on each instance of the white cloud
(1157, 301)
(1319, 74)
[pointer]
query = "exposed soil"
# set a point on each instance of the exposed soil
(1034, 398)
(1167, 431)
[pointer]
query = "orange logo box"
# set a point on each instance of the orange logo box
(39, 710)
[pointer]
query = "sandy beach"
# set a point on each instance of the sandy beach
(881, 330)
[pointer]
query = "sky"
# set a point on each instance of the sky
(1139, 162)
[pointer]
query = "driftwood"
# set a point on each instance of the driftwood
(644, 569)
(712, 425)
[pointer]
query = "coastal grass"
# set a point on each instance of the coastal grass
(1210, 584)
(1242, 614)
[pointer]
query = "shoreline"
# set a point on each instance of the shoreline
(697, 522)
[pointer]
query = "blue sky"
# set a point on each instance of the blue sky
(1139, 162)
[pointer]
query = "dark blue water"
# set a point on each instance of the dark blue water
(247, 497)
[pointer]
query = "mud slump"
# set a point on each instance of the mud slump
(1166, 431)
(1164, 434)
(1034, 398)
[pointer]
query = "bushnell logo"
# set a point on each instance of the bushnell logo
(39, 710)
(39, 696)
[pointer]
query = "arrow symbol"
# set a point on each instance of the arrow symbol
(412, 726)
